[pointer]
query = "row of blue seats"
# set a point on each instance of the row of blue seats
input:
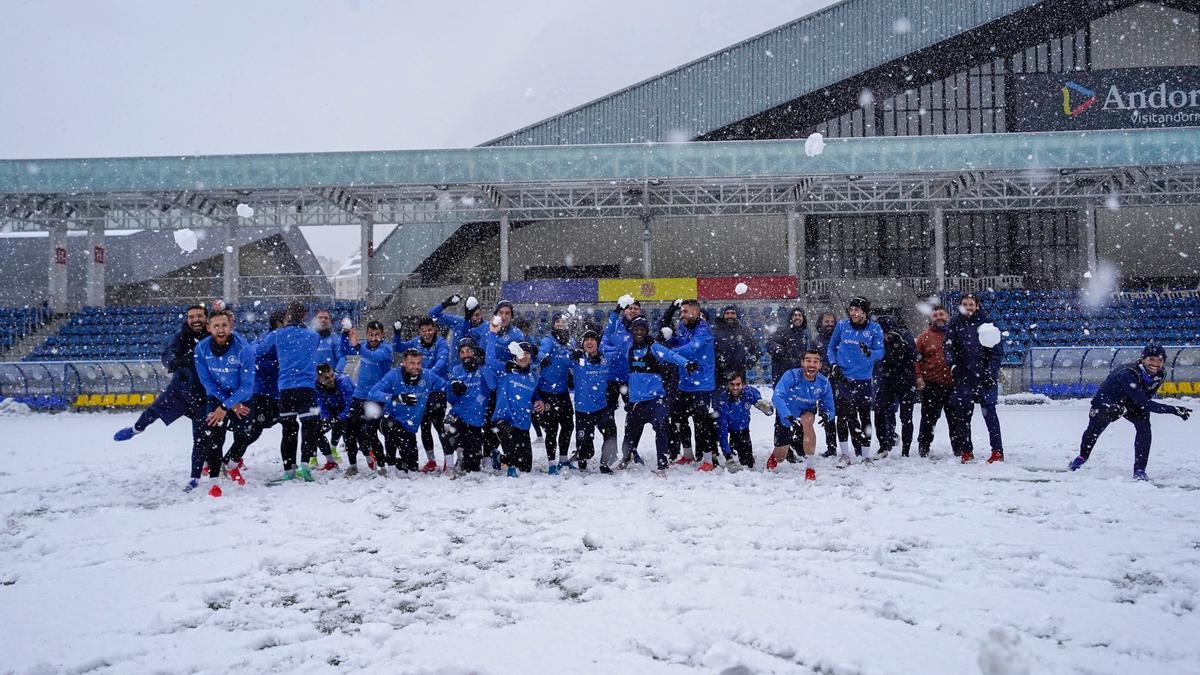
(1076, 390)
(41, 402)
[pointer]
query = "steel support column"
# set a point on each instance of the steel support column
(230, 270)
(647, 247)
(58, 270)
(503, 248)
(366, 252)
(1089, 237)
(97, 259)
(939, 246)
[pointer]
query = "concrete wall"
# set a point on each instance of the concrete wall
(1146, 35)
(1150, 242)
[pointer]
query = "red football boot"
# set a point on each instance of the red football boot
(810, 474)
(997, 456)
(967, 457)
(235, 475)
(683, 460)
(705, 466)
(772, 463)
(430, 467)
(214, 491)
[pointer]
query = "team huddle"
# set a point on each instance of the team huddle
(485, 386)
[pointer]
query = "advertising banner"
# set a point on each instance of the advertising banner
(1126, 98)
(752, 288)
(654, 290)
(549, 291)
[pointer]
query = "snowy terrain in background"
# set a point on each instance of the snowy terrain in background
(911, 566)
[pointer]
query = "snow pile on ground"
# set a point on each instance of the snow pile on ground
(13, 408)
(908, 566)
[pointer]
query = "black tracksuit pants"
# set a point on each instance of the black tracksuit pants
(558, 420)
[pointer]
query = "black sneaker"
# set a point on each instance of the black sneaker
(583, 465)
(605, 469)
(829, 453)
(791, 456)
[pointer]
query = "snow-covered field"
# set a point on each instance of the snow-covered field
(910, 566)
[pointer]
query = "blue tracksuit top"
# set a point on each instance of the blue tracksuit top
(615, 345)
(435, 357)
(645, 380)
(373, 364)
(459, 329)
(795, 395)
(329, 350)
(227, 374)
(1131, 386)
(266, 369)
(696, 344)
(335, 403)
(500, 340)
(733, 414)
(515, 390)
(591, 382)
(844, 349)
(554, 375)
(296, 347)
(471, 407)
(396, 384)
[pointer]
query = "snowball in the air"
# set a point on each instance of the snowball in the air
(989, 335)
(245, 211)
(347, 324)
(515, 350)
(814, 145)
(186, 240)
(572, 309)
(741, 288)
(496, 320)
(217, 305)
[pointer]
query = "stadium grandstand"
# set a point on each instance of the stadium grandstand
(1024, 150)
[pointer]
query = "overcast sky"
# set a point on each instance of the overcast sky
(166, 77)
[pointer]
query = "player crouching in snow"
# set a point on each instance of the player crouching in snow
(335, 397)
(801, 395)
(404, 392)
(225, 366)
(1128, 392)
(646, 393)
(733, 421)
(516, 401)
(471, 387)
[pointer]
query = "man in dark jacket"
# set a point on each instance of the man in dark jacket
(976, 372)
(737, 350)
(786, 347)
(184, 395)
(825, 323)
(1128, 392)
(897, 385)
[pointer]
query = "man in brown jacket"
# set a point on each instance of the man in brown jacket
(933, 376)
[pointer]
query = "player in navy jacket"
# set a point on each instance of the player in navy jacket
(558, 418)
(976, 372)
(296, 347)
(646, 393)
(733, 406)
(802, 395)
(225, 366)
(435, 359)
(517, 400)
(590, 372)
(1129, 392)
(471, 387)
(265, 402)
(362, 423)
(404, 393)
(854, 347)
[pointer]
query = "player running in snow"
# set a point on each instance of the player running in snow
(646, 393)
(335, 395)
(590, 371)
(693, 341)
(733, 405)
(296, 347)
(1129, 392)
(933, 376)
(362, 422)
(436, 359)
(404, 392)
(854, 347)
(896, 389)
(184, 395)
(801, 396)
(558, 418)
(975, 370)
(471, 387)
(517, 400)
(225, 366)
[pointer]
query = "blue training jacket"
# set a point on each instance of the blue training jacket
(459, 328)
(844, 349)
(615, 345)
(396, 384)
(515, 390)
(696, 344)
(335, 403)
(373, 364)
(329, 350)
(266, 369)
(435, 357)
(591, 382)
(1131, 386)
(227, 374)
(645, 375)
(554, 374)
(471, 407)
(734, 414)
(296, 347)
(795, 395)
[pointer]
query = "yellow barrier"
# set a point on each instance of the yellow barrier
(1168, 389)
(657, 290)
